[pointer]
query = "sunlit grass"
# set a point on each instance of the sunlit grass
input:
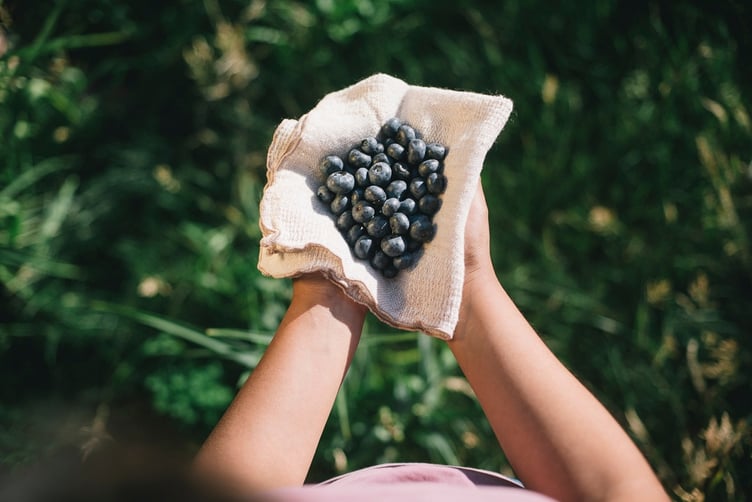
(132, 157)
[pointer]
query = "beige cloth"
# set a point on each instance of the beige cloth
(299, 234)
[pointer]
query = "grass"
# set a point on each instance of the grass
(133, 140)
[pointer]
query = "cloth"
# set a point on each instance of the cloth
(413, 482)
(299, 234)
(422, 472)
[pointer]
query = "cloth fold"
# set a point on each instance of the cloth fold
(299, 234)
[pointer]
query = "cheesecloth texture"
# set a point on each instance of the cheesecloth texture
(299, 233)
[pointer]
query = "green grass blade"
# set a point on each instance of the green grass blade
(219, 347)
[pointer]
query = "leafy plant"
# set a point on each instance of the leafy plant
(132, 152)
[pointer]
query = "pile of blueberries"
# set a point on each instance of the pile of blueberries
(384, 195)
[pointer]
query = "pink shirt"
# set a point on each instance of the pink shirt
(413, 482)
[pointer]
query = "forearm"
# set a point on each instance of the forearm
(560, 440)
(269, 434)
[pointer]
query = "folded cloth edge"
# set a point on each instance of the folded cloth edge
(353, 288)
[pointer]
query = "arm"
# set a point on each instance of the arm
(268, 435)
(560, 440)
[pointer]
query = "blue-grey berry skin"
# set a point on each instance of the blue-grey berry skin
(397, 189)
(429, 204)
(399, 223)
(380, 174)
(345, 221)
(357, 195)
(363, 247)
(405, 260)
(340, 182)
(371, 146)
(381, 157)
(330, 164)
(361, 177)
(393, 245)
(380, 261)
(413, 246)
(427, 167)
(390, 127)
(363, 212)
(436, 183)
(401, 171)
(405, 134)
(390, 272)
(378, 227)
(358, 159)
(416, 151)
(324, 194)
(390, 206)
(356, 231)
(418, 187)
(375, 195)
(396, 151)
(435, 151)
(339, 204)
(383, 195)
(408, 207)
(421, 229)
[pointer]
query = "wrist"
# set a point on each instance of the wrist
(480, 290)
(312, 290)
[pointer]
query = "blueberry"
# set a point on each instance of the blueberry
(390, 206)
(330, 164)
(405, 260)
(377, 227)
(380, 174)
(396, 151)
(357, 195)
(375, 195)
(408, 207)
(363, 212)
(384, 193)
(339, 204)
(416, 151)
(418, 187)
(421, 229)
(371, 146)
(390, 127)
(435, 151)
(340, 182)
(405, 134)
(356, 231)
(358, 159)
(380, 261)
(436, 183)
(413, 246)
(429, 204)
(399, 223)
(389, 272)
(427, 167)
(345, 221)
(401, 171)
(361, 177)
(396, 188)
(381, 157)
(392, 246)
(324, 194)
(363, 247)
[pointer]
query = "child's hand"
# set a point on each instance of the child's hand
(477, 240)
(314, 289)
